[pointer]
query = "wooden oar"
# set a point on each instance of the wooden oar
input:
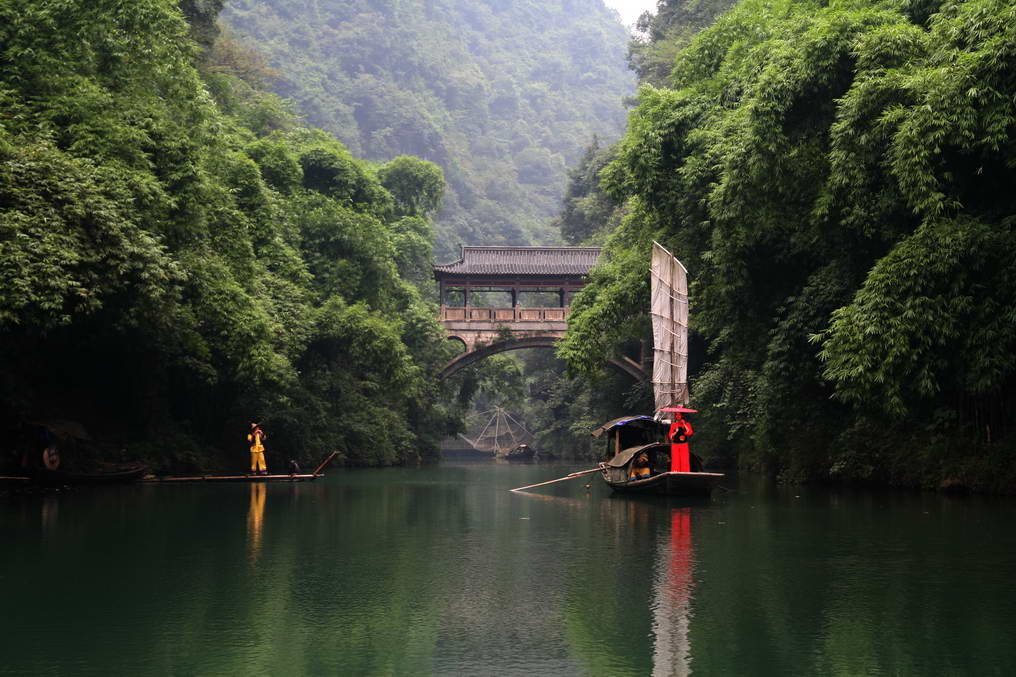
(559, 479)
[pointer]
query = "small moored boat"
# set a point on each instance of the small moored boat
(58, 477)
(521, 454)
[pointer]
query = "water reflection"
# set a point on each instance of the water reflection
(50, 511)
(255, 520)
(671, 598)
(442, 571)
(631, 613)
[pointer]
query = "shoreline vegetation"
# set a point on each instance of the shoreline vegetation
(181, 254)
(835, 177)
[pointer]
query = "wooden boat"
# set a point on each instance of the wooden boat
(521, 454)
(661, 481)
(55, 451)
(639, 457)
(59, 477)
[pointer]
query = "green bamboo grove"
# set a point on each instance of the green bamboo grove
(837, 178)
(179, 256)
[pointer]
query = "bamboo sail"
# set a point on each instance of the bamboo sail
(673, 579)
(669, 284)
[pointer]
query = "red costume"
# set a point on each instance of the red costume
(680, 457)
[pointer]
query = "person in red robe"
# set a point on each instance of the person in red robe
(680, 431)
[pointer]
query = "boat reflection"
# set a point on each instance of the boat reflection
(671, 596)
(632, 612)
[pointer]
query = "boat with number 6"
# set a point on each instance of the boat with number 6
(639, 457)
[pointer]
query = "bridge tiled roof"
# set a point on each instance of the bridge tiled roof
(522, 261)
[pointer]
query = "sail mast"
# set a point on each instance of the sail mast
(669, 284)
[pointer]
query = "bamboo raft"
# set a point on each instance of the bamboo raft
(172, 479)
(134, 476)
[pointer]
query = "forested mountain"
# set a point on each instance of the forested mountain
(503, 95)
(836, 177)
(179, 257)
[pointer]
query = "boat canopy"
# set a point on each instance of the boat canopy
(67, 430)
(624, 420)
(622, 459)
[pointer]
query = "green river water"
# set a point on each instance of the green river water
(440, 570)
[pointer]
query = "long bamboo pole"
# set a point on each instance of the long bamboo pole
(559, 479)
(317, 470)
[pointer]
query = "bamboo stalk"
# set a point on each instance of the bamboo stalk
(559, 479)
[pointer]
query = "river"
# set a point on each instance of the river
(440, 570)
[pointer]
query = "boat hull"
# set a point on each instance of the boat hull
(56, 477)
(526, 455)
(669, 484)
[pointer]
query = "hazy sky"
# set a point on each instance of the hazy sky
(631, 9)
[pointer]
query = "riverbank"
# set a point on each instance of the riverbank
(917, 460)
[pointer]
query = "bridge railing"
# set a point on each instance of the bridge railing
(519, 314)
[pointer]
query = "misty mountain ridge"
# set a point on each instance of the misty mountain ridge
(503, 95)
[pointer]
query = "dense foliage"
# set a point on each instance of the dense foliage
(566, 408)
(835, 177)
(588, 213)
(661, 34)
(502, 95)
(179, 258)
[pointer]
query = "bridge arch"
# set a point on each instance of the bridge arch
(463, 360)
(461, 341)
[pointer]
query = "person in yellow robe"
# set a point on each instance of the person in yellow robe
(256, 437)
